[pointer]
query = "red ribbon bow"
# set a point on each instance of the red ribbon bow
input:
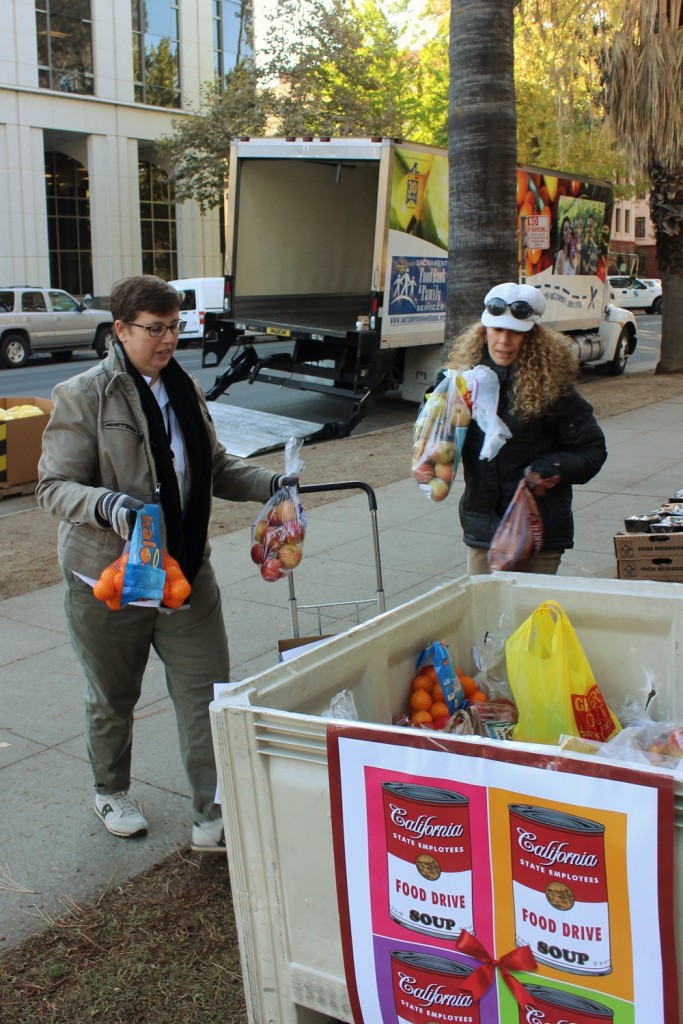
(520, 959)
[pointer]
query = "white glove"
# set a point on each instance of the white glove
(119, 511)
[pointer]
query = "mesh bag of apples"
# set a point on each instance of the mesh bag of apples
(277, 535)
(439, 435)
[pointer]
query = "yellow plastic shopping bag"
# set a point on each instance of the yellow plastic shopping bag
(553, 683)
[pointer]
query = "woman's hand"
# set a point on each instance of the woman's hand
(541, 475)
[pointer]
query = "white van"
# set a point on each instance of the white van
(197, 295)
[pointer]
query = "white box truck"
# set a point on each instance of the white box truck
(337, 252)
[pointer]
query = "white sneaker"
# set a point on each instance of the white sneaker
(120, 815)
(208, 836)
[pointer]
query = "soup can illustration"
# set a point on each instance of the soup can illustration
(429, 858)
(552, 1006)
(428, 988)
(559, 883)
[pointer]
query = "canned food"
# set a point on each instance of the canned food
(429, 859)
(559, 884)
(428, 989)
(551, 1006)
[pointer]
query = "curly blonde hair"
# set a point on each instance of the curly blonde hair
(546, 368)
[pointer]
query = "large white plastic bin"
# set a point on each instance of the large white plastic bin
(270, 746)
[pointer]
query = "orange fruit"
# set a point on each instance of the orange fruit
(438, 694)
(173, 572)
(431, 673)
(420, 700)
(114, 603)
(103, 590)
(478, 697)
(468, 684)
(421, 682)
(439, 710)
(421, 718)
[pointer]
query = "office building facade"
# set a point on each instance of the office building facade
(87, 87)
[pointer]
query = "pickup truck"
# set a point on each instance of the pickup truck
(35, 320)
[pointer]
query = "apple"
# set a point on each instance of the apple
(444, 453)
(290, 555)
(461, 416)
(294, 533)
(272, 540)
(658, 748)
(260, 529)
(258, 553)
(272, 569)
(286, 511)
(445, 471)
(438, 489)
(435, 407)
(674, 743)
(423, 473)
(441, 723)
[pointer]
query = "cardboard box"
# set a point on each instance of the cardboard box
(21, 442)
(645, 546)
(663, 568)
(649, 556)
(287, 649)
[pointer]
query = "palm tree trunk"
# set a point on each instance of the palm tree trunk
(482, 153)
(666, 208)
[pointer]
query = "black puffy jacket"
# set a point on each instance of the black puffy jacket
(568, 435)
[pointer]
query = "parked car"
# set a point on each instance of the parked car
(198, 294)
(35, 320)
(636, 293)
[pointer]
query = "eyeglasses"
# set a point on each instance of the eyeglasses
(521, 310)
(159, 330)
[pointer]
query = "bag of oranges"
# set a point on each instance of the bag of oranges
(143, 573)
(436, 691)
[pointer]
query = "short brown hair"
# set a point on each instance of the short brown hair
(144, 292)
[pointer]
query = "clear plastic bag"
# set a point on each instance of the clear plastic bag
(439, 435)
(277, 533)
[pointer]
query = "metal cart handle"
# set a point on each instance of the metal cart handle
(344, 485)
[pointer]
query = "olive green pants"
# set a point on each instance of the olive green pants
(113, 648)
(545, 562)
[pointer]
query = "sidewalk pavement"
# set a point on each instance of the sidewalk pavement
(54, 852)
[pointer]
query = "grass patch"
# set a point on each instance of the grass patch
(159, 949)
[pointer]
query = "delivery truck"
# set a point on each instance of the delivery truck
(336, 267)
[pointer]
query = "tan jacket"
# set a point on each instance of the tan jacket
(97, 440)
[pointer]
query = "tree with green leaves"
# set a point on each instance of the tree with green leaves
(644, 91)
(198, 150)
(482, 154)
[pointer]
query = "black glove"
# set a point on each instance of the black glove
(541, 475)
(290, 480)
(119, 511)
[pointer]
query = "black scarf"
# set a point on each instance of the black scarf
(185, 534)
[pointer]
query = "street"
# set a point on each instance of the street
(39, 377)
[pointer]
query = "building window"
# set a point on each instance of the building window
(617, 221)
(639, 227)
(155, 52)
(157, 222)
(627, 221)
(67, 190)
(231, 34)
(64, 32)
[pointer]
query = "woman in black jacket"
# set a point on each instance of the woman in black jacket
(556, 441)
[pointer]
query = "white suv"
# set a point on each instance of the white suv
(636, 293)
(48, 320)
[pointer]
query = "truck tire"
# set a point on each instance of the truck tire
(621, 353)
(14, 351)
(104, 339)
(657, 306)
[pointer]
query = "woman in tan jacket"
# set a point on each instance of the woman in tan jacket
(132, 430)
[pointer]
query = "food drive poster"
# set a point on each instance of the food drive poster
(455, 853)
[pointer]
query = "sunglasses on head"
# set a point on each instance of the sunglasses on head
(521, 310)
